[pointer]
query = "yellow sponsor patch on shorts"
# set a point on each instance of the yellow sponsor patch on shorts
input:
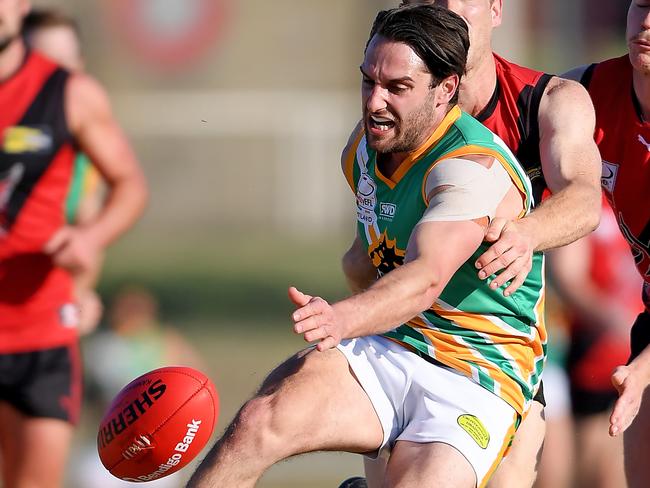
(474, 427)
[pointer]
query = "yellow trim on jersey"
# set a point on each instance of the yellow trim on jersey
(387, 181)
(479, 323)
(453, 353)
(481, 151)
(445, 351)
(452, 116)
(505, 447)
(348, 156)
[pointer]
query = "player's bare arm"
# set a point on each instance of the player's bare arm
(571, 166)
(359, 272)
(399, 295)
(430, 261)
(100, 137)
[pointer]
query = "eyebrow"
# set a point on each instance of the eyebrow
(395, 80)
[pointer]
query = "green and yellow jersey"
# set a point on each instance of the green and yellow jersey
(498, 341)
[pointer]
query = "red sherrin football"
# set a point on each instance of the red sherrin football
(158, 423)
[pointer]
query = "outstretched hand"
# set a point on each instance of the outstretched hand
(630, 393)
(316, 320)
(511, 252)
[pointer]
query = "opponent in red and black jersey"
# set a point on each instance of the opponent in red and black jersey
(512, 115)
(623, 137)
(36, 156)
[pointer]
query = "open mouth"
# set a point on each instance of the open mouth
(381, 123)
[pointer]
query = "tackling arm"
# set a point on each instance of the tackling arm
(571, 165)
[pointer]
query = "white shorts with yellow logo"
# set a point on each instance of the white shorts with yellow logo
(418, 401)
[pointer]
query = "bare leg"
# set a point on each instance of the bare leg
(637, 446)
(519, 468)
(34, 450)
(599, 456)
(413, 465)
(311, 402)
(556, 466)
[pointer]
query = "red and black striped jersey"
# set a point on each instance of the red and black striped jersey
(512, 114)
(36, 157)
(623, 137)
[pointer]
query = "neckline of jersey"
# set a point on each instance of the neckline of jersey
(414, 156)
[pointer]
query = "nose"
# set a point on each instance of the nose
(376, 100)
(645, 21)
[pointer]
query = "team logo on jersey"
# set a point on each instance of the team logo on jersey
(387, 211)
(475, 428)
(385, 255)
(608, 176)
(21, 139)
(366, 200)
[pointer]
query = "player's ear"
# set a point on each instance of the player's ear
(496, 10)
(447, 89)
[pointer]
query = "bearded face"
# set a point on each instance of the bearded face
(398, 100)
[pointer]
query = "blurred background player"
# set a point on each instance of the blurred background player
(47, 113)
(136, 341)
(598, 283)
(620, 90)
(56, 35)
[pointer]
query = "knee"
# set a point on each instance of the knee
(263, 427)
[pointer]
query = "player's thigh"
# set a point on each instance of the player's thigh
(34, 449)
(430, 465)
(313, 401)
(637, 446)
(519, 468)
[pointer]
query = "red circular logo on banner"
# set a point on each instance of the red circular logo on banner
(168, 34)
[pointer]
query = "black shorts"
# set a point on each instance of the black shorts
(640, 335)
(45, 383)
(539, 396)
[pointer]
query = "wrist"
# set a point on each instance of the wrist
(93, 235)
(640, 366)
(343, 311)
(529, 227)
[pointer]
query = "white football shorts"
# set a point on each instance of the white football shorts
(419, 401)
